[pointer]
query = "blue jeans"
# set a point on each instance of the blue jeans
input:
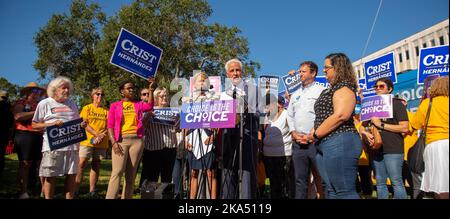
(304, 160)
(337, 161)
(389, 165)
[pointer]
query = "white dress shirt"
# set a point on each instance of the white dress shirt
(301, 113)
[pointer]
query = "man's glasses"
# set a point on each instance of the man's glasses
(144, 94)
(100, 94)
(381, 86)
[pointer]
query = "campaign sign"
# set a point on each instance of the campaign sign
(292, 82)
(364, 91)
(376, 106)
(427, 83)
(136, 55)
(67, 134)
(362, 84)
(432, 61)
(368, 93)
(286, 101)
(269, 82)
(322, 80)
(381, 67)
(166, 116)
(211, 114)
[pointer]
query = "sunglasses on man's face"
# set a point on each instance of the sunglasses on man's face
(144, 94)
(100, 94)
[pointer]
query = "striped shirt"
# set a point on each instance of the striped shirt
(158, 136)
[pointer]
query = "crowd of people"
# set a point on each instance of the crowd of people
(315, 148)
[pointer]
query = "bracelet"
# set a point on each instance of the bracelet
(315, 136)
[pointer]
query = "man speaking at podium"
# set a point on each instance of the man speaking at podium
(234, 183)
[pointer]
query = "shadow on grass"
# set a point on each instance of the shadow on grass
(9, 188)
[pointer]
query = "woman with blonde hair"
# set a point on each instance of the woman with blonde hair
(159, 143)
(435, 177)
(96, 144)
(199, 143)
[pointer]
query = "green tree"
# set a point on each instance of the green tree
(180, 29)
(71, 45)
(12, 89)
(66, 47)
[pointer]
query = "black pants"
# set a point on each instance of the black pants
(3, 145)
(364, 183)
(280, 173)
(158, 163)
(414, 180)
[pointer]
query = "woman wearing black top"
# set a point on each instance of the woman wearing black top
(388, 160)
(339, 145)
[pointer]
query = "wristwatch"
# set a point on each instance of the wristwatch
(382, 126)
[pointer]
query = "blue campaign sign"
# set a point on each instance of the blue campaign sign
(292, 82)
(363, 87)
(368, 93)
(269, 81)
(381, 67)
(408, 89)
(432, 61)
(67, 134)
(136, 55)
(286, 101)
(166, 116)
(321, 80)
(362, 84)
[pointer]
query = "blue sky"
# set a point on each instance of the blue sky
(281, 33)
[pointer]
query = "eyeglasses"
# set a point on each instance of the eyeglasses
(36, 90)
(100, 94)
(380, 86)
(325, 68)
(144, 94)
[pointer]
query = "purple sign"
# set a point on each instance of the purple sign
(211, 114)
(376, 106)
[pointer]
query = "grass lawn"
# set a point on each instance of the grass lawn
(9, 188)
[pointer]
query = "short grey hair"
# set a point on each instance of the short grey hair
(57, 82)
(231, 61)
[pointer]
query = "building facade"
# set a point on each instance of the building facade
(407, 51)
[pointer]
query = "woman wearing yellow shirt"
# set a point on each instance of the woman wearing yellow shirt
(125, 133)
(435, 177)
(96, 144)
